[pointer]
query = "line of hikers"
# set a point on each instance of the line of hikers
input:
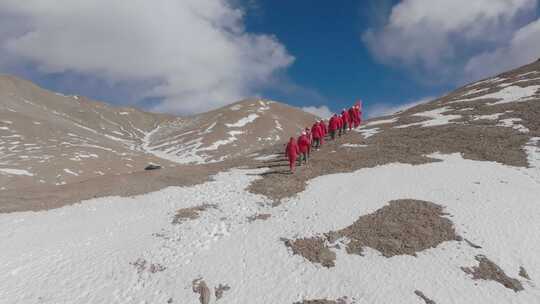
(314, 137)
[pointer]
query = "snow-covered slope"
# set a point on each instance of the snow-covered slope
(436, 204)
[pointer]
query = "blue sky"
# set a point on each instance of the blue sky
(331, 58)
(190, 56)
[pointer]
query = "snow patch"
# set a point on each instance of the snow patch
(222, 142)
(15, 172)
(70, 172)
(366, 133)
(513, 123)
(244, 121)
(266, 157)
(508, 94)
(348, 145)
(488, 117)
(437, 118)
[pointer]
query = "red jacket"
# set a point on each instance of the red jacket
(323, 129)
(345, 117)
(339, 122)
(292, 150)
(316, 131)
(333, 123)
(303, 143)
(352, 115)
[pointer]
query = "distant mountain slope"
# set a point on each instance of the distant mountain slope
(239, 129)
(50, 139)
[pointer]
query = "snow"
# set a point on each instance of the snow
(4, 128)
(513, 123)
(488, 117)
(366, 133)
(437, 118)
(533, 152)
(209, 129)
(232, 138)
(236, 107)
(507, 94)
(123, 113)
(15, 172)
(348, 145)
(513, 94)
(266, 157)
(382, 121)
(244, 121)
(278, 125)
(84, 254)
(71, 172)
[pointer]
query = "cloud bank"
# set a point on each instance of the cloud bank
(321, 111)
(460, 39)
(193, 55)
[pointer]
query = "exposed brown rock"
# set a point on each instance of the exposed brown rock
(401, 227)
(523, 273)
(190, 213)
(262, 216)
(220, 290)
(473, 245)
(423, 297)
(314, 250)
(487, 270)
(142, 265)
(324, 301)
(200, 287)
(317, 302)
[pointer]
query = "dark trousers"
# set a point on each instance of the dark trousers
(316, 143)
(333, 134)
(303, 157)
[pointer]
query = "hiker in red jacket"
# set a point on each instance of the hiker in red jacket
(359, 111)
(292, 152)
(333, 126)
(303, 146)
(346, 120)
(339, 124)
(353, 118)
(310, 138)
(324, 131)
(324, 127)
(316, 133)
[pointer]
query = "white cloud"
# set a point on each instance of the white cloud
(522, 49)
(440, 36)
(321, 111)
(198, 51)
(383, 109)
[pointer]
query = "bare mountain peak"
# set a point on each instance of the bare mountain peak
(50, 138)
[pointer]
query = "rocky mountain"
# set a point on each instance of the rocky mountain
(50, 139)
(435, 204)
